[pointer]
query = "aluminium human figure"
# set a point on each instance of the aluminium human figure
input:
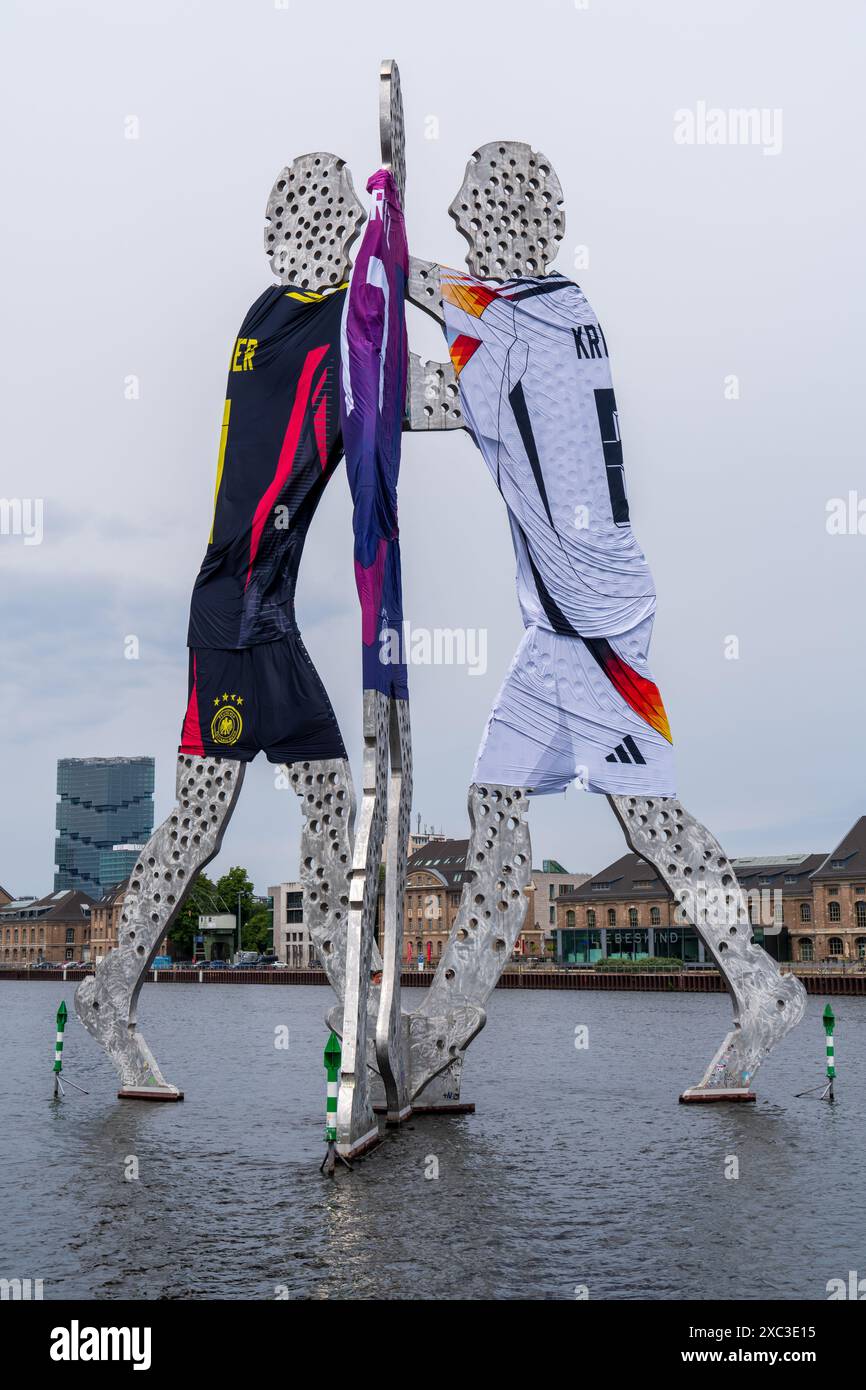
(530, 380)
(252, 685)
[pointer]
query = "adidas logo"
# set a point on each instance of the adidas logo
(626, 752)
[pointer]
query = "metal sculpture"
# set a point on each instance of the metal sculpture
(313, 216)
(509, 210)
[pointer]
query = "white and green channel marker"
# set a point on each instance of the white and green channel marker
(58, 1043)
(333, 1055)
(829, 1027)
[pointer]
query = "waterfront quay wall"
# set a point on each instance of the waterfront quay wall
(676, 981)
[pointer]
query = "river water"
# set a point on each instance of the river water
(579, 1170)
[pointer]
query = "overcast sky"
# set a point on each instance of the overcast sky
(705, 262)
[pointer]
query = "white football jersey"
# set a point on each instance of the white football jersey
(535, 386)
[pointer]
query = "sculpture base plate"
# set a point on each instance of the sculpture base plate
(361, 1146)
(149, 1093)
(455, 1107)
(696, 1095)
(380, 1108)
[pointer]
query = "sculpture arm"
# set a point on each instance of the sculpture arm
(432, 396)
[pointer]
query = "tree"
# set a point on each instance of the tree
(258, 931)
(199, 902)
(235, 883)
(221, 898)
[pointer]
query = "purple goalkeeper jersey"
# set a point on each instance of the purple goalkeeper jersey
(373, 368)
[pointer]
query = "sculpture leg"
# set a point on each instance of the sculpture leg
(356, 1123)
(767, 1004)
(107, 1002)
(390, 1049)
(327, 797)
(491, 914)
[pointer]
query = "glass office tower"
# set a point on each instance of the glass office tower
(117, 863)
(103, 802)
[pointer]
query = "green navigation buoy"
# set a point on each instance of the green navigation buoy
(333, 1057)
(829, 1021)
(62, 1015)
(333, 1054)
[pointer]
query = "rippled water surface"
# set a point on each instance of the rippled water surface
(578, 1167)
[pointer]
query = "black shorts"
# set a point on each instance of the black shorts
(267, 698)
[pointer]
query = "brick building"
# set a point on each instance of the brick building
(836, 927)
(435, 875)
(55, 928)
(803, 908)
(104, 922)
(624, 910)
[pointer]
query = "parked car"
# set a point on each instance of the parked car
(215, 965)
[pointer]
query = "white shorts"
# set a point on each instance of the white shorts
(576, 708)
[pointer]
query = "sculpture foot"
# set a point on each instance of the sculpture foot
(107, 1002)
(150, 1093)
(357, 1127)
(140, 1076)
(441, 1095)
(702, 1093)
(702, 881)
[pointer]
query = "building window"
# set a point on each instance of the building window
(590, 918)
(807, 948)
(632, 916)
(611, 916)
(655, 917)
(834, 912)
(805, 912)
(831, 891)
(835, 947)
(70, 935)
(860, 915)
(569, 920)
(860, 944)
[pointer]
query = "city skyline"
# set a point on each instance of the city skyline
(540, 851)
